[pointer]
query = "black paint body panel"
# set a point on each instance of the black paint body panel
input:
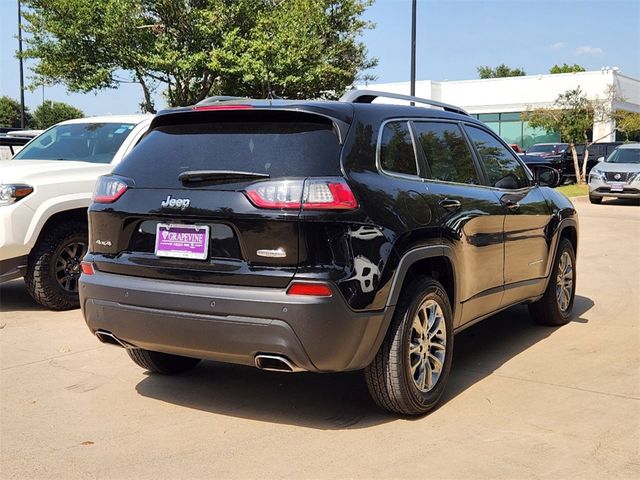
(498, 256)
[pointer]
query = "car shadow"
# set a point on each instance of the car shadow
(15, 298)
(623, 202)
(341, 400)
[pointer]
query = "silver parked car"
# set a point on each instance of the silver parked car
(618, 176)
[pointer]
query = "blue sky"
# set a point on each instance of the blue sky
(454, 37)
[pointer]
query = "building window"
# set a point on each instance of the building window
(512, 129)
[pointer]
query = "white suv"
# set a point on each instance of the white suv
(45, 190)
(618, 176)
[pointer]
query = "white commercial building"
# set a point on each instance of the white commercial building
(499, 101)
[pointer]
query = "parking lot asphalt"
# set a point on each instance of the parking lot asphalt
(523, 401)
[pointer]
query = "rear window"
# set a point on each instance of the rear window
(278, 148)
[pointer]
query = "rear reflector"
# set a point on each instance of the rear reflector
(310, 194)
(87, 268)
(312, 289)
(221, 107)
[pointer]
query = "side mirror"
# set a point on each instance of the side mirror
(600, 159)
(546, 176)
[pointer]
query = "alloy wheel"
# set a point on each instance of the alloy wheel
(427, 345)
(68, 265)
(564, 282)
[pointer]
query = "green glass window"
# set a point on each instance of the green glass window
(495, 126)
(511, 132)
(489, 117)
(510, 117)
(531, 136)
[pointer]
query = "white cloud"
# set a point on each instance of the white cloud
(588, 50)
(557, 45)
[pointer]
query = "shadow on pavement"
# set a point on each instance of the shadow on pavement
(631, 202)
(15, 298)
(341, 401)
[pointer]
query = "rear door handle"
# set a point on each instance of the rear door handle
(449, 204)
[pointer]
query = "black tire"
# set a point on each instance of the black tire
(164, 363)
(560, 181)
(42, 276)
(595, 200)
(547, 310)
(389, 377)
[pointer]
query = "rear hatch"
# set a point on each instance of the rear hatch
(211, 196)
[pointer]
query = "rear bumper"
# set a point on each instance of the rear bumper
(231, 324)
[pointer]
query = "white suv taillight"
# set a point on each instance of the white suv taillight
(310, 194)
(108, 189)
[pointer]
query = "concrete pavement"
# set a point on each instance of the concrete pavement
(523, 401)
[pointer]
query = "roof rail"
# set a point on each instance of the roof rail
(219, 98)
(368, 96)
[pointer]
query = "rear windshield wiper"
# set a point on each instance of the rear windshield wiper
(218, 176)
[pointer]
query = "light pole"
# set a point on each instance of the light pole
(413, 48)
(21, 68)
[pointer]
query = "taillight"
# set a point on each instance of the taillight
(108, 189)
(328, 195)
(310, 289)
(282, 194)
(310, 194)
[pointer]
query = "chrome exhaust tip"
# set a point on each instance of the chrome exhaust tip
(276, 363)
(108, 337)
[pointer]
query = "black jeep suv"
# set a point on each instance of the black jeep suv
(322, 236)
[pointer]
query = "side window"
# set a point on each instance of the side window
(396, 149)
(503, 170)
(447, 152)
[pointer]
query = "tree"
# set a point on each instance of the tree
(10, 113)
(567, 68)
(191, 49)
(572, 116)
(500, 71)
(49, 113)
(628, 123)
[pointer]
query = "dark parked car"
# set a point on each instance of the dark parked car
(535, 161)
(560, 157)
(322, 236)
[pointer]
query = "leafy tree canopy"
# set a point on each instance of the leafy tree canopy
(572, 116)
(500, 71)
(191, 49)
(49, 113)
(567, 68)
(628, 123)
(10, 113)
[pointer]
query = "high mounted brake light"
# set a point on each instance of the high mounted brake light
(310, 194)
(221, 107)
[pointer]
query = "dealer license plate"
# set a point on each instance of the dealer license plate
(617, 187)
(182, 241)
